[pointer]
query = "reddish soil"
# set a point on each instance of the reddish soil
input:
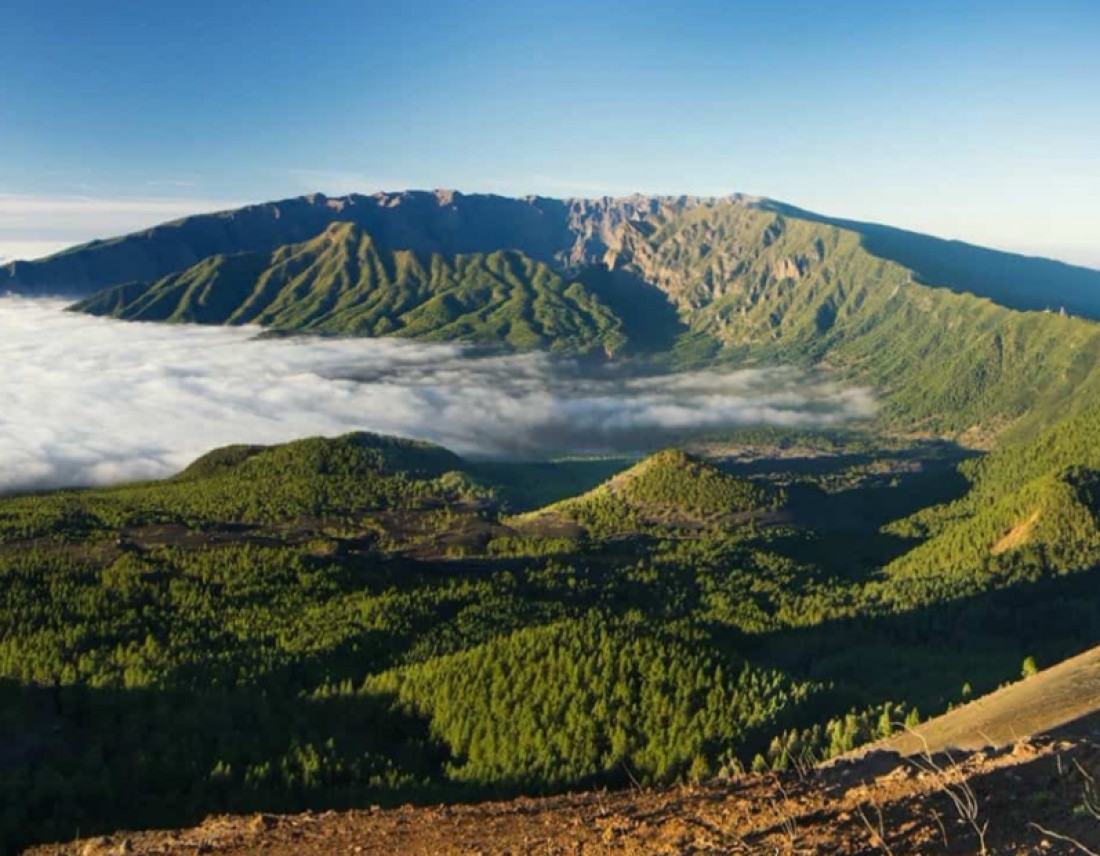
(880, 803)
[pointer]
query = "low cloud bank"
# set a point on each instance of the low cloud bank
(87, 400)
(36, 225)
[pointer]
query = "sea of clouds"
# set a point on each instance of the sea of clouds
(87, 400)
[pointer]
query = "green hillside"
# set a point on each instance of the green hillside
(1018, 282)
(338, 622)
(574, 700)
(341, 283)
(668, 490)
(364, 619)
(1033, 509)
(776, 289)
(693, 284)
(338, 480)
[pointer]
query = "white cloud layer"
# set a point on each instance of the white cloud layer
(93, 401)
(32, 225)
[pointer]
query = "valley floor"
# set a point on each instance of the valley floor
(1030, 797)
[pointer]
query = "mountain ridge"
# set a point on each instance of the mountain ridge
(565, 232)
(442, 220)
(342, 282)
(952, 347)
(956, 263)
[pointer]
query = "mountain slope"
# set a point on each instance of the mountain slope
(776, 289)
(567, 234)
(1037, 797)
(668, 490)
(721, 281)
(1040, 703)
(1020, 282)
(1033, 509)
(341, 282)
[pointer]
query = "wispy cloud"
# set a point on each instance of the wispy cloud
(340, 182)
(20, 205)
(173, 182)
(91, 401)
(32, 225)
(14, 248)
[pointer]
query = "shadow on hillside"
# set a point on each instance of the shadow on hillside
(650, 322)
(1020, 282)
(928, 454)
(847, 555)
(526, 485)
(875, 501)
(860, 492)
(82, 760)
(926, 655)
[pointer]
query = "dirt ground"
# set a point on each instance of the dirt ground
(1048, 700)
(1031, 797)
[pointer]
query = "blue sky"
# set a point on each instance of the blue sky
(972, 120)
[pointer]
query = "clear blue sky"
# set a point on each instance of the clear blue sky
(967, 119)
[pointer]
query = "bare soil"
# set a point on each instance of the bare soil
(1027, 798)
(1041, 703)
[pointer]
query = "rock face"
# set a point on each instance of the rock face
(689, 247)
(563, 233)
(567, 234)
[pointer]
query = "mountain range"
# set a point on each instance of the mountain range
(336, 622)
(955, 339)
(567, 234)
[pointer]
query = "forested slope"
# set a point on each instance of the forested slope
(685, 283)
(1033, 509)
(772, 288)
(340, 282)
(336, 622)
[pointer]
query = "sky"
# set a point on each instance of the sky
(974, 120)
